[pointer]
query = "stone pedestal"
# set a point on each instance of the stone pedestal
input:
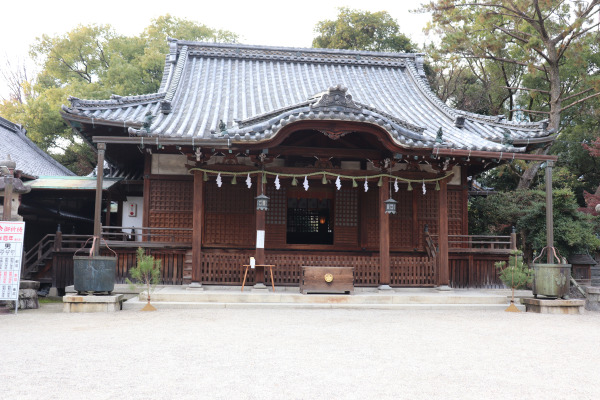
(554, 306)
(28, 297)
(196, 286)
(88, 304)
(592, 302)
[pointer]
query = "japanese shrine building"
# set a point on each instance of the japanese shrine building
(328, 136)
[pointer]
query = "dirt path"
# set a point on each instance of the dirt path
(299, 354)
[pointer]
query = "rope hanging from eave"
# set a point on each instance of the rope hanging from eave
(322, 173)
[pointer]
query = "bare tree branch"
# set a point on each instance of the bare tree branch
(530, 111)
(580, 101)
(524, 88)
(578, 94)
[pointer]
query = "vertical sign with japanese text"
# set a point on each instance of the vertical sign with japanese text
(11, 253)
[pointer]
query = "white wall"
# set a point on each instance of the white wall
(134, 221)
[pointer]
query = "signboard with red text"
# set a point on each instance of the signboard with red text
(11, 254)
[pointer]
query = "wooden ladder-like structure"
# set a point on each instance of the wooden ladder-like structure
(187, 268)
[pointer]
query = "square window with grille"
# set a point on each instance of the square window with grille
(309, 220)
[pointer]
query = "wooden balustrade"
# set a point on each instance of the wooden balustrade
(471, 259)
(135, 236)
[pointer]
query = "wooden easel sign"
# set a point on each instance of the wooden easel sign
(11, 255)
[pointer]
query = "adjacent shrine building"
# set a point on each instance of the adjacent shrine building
(362, 166)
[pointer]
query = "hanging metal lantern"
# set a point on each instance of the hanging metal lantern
(390, 206)
(262, 203)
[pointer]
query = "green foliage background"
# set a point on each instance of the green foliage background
(574, 231)
(93, 62)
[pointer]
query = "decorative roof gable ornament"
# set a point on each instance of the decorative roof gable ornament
(147, 121)
(336, 96)
(507, 138)
(439, 138)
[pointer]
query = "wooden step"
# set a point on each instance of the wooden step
(187, 268)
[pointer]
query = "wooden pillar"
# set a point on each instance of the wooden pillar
(363, 220)
(513, 239)
(146, 204)
(384, 238)
(198, 226)
(98, 203)
(549, 214)
(259, 272)
(443, 262)
(8, 194)
(107, 215)
(8, 170)
(57, 239)
(415, 220)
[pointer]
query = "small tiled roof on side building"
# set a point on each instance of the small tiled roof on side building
(248, 93)
(29, 158)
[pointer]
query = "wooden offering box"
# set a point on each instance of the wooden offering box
(316, 279)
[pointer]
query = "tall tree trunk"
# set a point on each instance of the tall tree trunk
(554, 117)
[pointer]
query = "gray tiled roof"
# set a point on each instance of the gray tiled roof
(256, 91)
(29, 158)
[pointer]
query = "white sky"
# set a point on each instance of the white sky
(260, 22)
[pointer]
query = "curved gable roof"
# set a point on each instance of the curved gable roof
(256, 90)
(29, 158)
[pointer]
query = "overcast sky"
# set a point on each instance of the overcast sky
(261, 22)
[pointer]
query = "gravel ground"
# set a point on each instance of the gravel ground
(298, 354)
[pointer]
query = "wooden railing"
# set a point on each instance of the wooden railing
(225, 268)
(479, 243)
(116, 237)
(130, 236)
(472, 258)
(45, 248)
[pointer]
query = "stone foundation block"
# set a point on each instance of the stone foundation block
(592, 302)
(554, 306)
(89, 304)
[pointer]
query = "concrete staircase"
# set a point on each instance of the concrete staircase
(179, 297)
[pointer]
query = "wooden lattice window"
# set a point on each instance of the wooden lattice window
(171, 195)
(236, 199)
(229, 219)
(171, 206)
(346, 207)
(277, 206)
(401, 223)
(455, 212)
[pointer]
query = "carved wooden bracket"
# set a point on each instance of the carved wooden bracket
(335, 134)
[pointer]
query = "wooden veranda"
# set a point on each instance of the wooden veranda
(471, 260)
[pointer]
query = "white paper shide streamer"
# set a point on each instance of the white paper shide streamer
(366, 185)
(396, 186)
(424, 188)
(277, 184)
(249, 181)
(305, 184)
(219, 180)
(338, 183)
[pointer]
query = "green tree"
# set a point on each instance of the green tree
(540, 37)
(362, 30)
(574, 231)
(94, 62)
(146, 274)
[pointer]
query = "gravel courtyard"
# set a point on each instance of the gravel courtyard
(298, 354)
